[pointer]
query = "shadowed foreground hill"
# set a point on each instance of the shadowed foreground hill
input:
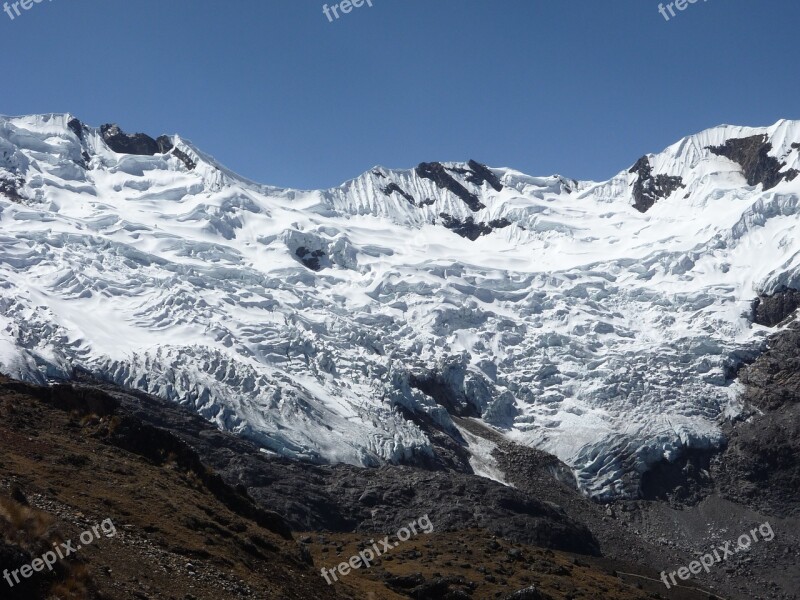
(73, 457)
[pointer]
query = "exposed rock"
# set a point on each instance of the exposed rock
(469, 229)
(752, 153)
(164, 143)
(478, 174)
(128, 143)
(529, 593)
(184, 158)
(446, 393)
(76, 127)
(482, 173)
(649, 189)
(774, 309)
(437, 173)
(10, 188)
(315, 498)
(311, 259)
(761, 465)
(431, 590)
(393, 187)
(682, 481)
(165, 146)
(449, 451)
(405, 582)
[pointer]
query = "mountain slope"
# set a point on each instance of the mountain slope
(601, 322)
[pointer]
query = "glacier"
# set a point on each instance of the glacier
(602, 322)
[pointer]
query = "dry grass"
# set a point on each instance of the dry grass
(24, 526)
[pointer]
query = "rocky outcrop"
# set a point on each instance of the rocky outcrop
(140, 144)
(752, 153)
(449, 450)
(471, 230)
(447, 392)
(76, 127)
(184, 158)
(128, 143)
(310, 258)
(761, 465)
(166, 146)
(648, 188)
(339, 497)
(771, 310)
(481, 174)
(393, 187)
(164, 143)
(10, 188)
(437, 173)
(682, 481)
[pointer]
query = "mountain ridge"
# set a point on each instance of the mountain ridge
(340, 325)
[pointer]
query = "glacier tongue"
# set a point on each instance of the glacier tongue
(599, 321)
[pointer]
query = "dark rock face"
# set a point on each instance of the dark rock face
(342, 497)
(438, 174)
(776, 308)
(470, 229)
(758, 167)
(478, 174)
(10, 188)
(164, 144)
(339, 498)
(184, 158)
(77, 128)
(449, 447)
(393, 187)
(761, 465)
(310, 259)
(685, 481)
(773, 380)
(649, 189)
(481, 173)
(124, 143)
(445, 394)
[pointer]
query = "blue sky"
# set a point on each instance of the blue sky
(281, 95)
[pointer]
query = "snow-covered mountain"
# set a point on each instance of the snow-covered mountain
(598, 321)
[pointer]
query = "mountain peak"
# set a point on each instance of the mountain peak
(354, 324)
